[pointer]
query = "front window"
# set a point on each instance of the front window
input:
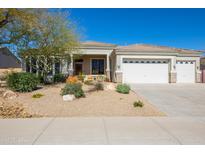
(97, 66)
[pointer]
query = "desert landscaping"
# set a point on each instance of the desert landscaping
(105, 102)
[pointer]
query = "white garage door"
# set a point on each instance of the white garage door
(145, 71)
(185, 71)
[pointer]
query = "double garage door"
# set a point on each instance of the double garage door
(156, 71)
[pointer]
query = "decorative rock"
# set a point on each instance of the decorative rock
(110, 86)
(9, 94)
(3, 83)
(68, 97)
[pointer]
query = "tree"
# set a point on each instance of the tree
(49, 34)
(15, 24)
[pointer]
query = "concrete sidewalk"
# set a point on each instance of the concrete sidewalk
(108, 130)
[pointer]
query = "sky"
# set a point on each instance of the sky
(180, 28)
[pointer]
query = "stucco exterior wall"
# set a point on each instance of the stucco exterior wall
(172, 77)
(113, 66)
(118, 77)
(198, 77)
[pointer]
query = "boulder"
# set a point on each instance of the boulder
(8, 94)
(109, 86)
(68, 97)
(3, 83)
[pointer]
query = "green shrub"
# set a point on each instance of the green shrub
(99, 86)
(59, 78)
(74, 88)
(138, 104)
(40, 78)
(38, 95)
(22, 82)
(123, 88)
(88, 82)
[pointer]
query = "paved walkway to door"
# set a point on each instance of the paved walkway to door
(175, 99)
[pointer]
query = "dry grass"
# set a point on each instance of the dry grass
(7, 70)
(13, 110)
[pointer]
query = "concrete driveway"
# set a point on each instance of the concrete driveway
(175, 99)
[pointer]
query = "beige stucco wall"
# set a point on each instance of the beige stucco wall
(172, 77)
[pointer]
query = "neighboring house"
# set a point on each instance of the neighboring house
(136, 63)
(8, 61)
(202, 66)
(202, 63)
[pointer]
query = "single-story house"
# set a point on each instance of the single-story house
(137, 63)
(8, 61)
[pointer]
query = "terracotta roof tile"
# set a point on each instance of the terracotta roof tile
(153, 48)
(97, 44)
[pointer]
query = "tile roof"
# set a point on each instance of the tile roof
(96, 44)
(154, 48)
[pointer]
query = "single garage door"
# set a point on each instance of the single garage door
(145, 71)
(185, 71)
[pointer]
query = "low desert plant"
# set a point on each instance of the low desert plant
(123, 88)
(99, 86)
(22, 82)
(100, 78)
(81, 77)
(72, 79)
(59, 78)
(74, 88)
(138, 104)
(38, 95)
(88, 82)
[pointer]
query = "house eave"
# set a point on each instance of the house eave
(157, 53)
(97, 47)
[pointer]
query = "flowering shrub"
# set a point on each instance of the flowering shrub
(89, 77)
(72, 79)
